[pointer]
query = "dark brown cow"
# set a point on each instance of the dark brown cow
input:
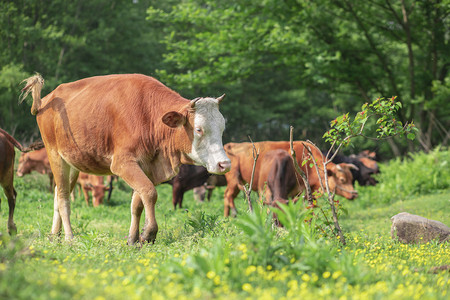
(278, 180)
(35, 161)
(7, 155)
(188, 178)
(92, 183)
(145, 132)
(241, 155)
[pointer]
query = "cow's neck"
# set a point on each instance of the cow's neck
(167, 158)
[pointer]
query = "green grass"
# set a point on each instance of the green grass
(200, 254)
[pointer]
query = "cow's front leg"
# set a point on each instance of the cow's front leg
(144, 197)
(136, 211)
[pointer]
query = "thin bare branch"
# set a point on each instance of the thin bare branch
(248, 190)
(298, 169)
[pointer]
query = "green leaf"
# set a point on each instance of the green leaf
(411, 136)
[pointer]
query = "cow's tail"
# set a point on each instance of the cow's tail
(34, 85)
(34, 146)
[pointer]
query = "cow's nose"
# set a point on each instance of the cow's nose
(224, 166)
(19, 174)
(354, 195)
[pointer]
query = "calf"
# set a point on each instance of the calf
(145, 132)
(35, 161)
(7, 155)
(93, 183)
(242, 164)
(205, 190)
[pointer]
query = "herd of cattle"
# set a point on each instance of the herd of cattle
(150, 135)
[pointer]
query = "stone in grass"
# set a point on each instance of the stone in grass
(416, 229)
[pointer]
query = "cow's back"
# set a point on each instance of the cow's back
(241, 156)
(117, 111)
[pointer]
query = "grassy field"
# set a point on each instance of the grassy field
(200, 254)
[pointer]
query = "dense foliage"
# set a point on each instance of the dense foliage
(201, 255)
(281, 63)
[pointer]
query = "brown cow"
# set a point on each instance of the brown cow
(241, 155)
(7, 155)
(145, 132)
(35, 161)
(278, 179)
(93, 183)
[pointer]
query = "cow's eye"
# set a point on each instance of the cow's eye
(199, 130)
(342, 180)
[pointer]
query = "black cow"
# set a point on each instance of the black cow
(188, 178)
(363, 174)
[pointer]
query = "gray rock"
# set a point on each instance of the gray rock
(416, 229)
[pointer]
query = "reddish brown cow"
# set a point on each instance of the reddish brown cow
(278, 179)
(93, 183)
(241, 155)
(145, 132)
(7, 155)
(35, 161)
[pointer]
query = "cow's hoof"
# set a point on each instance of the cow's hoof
(233, 212)
(12, 229)
(147, 240)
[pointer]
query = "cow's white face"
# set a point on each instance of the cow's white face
(207, 147)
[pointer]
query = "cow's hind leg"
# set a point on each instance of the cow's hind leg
(61, 214)
(11, 194)
(57, 221)
(133, 175)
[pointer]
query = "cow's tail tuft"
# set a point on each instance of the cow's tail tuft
(34, 85)
(35, 146)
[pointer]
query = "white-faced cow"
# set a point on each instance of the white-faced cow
(7, 155)
(129, 125)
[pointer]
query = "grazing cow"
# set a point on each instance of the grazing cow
(188, 178)
(278, 179)
(362, 174)
(7, 155)
(241, 155)
(207, 188)
(93, 183)
(35, 161)
(145, 132)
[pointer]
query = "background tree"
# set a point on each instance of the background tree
(281, 63)
(307, 55)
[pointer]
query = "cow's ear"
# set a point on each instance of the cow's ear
(174, 119)
(331, 169)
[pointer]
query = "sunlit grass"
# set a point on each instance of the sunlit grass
(199, 254)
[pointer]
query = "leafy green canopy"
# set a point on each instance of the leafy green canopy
(299, 62)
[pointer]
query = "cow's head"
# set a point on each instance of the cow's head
(341, 180)
(206, 125)
(98, 193)
(24, 165)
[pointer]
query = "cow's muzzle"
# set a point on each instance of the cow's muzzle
(224, 166)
